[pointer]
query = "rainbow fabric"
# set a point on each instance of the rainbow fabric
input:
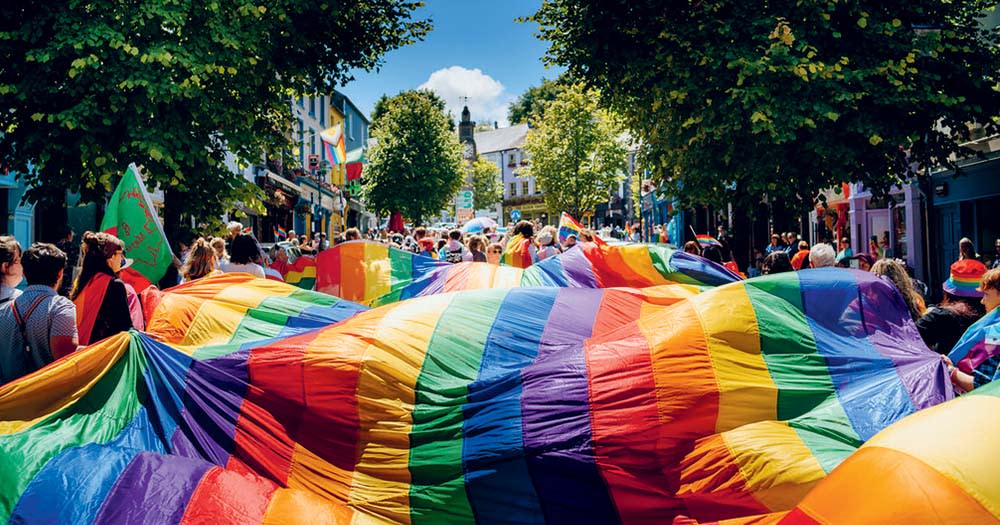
(518, 252)
(707, 240)
(936, 467)
(525, 405)
(980, 343)
(301, 273)
(375, 274)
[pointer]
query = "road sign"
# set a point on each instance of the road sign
(515, 215)
(464, 200)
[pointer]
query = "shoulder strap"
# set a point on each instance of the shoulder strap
(22, 321)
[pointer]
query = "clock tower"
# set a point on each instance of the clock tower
(466, 132)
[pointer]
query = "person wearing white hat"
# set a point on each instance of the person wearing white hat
(546, 244)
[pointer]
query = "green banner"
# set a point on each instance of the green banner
(132, 218)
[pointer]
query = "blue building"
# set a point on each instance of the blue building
(19, 219)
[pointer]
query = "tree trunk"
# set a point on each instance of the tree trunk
(172, 208)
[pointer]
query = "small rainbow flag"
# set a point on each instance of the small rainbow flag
(570, 226)
(279, 232)
(707, 240)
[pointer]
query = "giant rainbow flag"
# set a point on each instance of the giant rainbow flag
(374, 274)
(519, 405)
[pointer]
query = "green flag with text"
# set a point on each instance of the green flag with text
(131, 217)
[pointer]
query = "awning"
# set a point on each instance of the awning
(289, 185)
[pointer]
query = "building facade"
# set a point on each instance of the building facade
(505, 148)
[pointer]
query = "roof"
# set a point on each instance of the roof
(501, 139)
(338, 96)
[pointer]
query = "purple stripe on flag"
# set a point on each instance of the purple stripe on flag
(578, 269)
(212, 400)
(893, 334)
(153, 489)
(556, 411)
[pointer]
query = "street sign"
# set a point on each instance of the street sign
(464, 200)
(515, 215)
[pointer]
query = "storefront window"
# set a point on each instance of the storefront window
(899, 227)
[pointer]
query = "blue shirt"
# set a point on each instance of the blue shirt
(55, 315)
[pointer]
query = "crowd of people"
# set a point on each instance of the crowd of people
(75, 294)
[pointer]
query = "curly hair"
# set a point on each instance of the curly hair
(201, 260)
(896, 272)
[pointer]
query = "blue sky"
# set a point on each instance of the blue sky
(468, 35)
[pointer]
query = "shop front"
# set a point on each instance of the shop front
(890, 226)
(531, 208)
(965, 206)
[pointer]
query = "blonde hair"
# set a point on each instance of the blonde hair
(896, 273)
(219, 245)
(201, 260)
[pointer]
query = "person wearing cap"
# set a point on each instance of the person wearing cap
(775, 246)
(547, 243)
(845, 250)
(942, 325)
(865, 261)
(105, 305)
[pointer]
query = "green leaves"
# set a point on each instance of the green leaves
(416, 164)
(783, 98)
(575, 152)
(175, 86)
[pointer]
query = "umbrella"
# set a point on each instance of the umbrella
(478, 224)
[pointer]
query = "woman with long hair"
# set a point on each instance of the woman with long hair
(105, 305)
(200, 261)
(896, 272)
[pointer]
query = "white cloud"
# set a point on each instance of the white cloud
(487, 98)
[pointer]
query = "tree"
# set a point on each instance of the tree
(575, 151)
(531, 103)
(734, 101)
(183, 88)
(434, 98)
(415, 165)
(486, 186)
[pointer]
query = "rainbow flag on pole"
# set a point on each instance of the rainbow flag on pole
(570, 226)
(333, 139)
(704, 241)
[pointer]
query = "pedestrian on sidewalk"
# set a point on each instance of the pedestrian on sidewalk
(40, 325)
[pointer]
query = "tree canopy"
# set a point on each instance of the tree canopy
(576, 154)
(190, 90)
(415, 165)
(531, 103)
(486, 186)
(734, 101)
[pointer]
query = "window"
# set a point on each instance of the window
(322, 111)
(524, 188)
(511, 162)
(538, 190)
(312, 144)
(312, 107)
(513, 189)
(350, 125)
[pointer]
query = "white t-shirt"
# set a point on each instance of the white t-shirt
(252, 268)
